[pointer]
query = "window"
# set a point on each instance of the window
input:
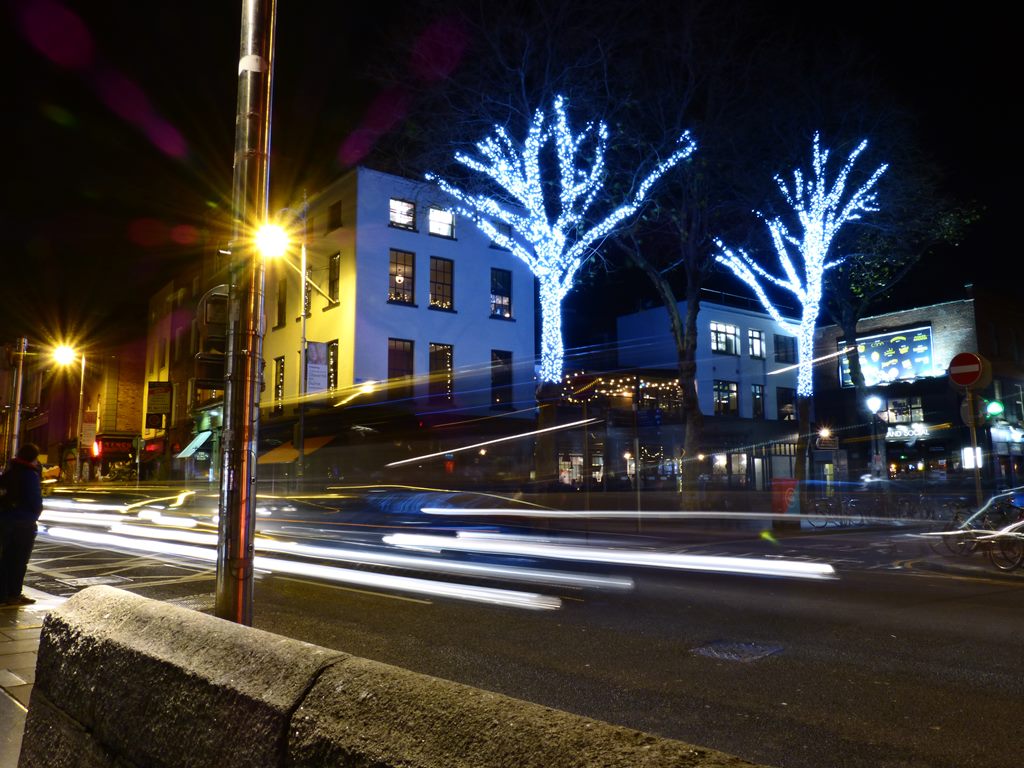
(401, 283)
(442, 276)
(756, 344)
(501, 379)
(402, 214)
(441, 222)
(726, 398)
(282, 302)
(333, 276)
(332, 365)
(725, 339)
(307, 291)
(785, 401)
(503, 229)
(278, 385)
(334, 216)
(757, 401)
(903, 410)
(441, 371)
(400, 367)
(785, 349)
(501, 293)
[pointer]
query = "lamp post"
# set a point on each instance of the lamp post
(874, 404)
(65, 355)
(16, 416)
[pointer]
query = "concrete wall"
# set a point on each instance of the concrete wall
(126, 682)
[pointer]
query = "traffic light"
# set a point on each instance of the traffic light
(993, 409)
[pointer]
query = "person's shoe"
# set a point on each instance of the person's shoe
(22, 600)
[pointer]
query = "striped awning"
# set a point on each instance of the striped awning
(286, 453)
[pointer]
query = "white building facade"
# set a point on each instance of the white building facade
(406, 304)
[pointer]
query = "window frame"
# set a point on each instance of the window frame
(450, 234)
(502, 379)
(282, 303)
(757, 344)
(785, 348)
(437, 265)
(278, 406)
(400, 380)
(757, 397)
(780, 403)
(732, 392)
(396, 286)
(334, 277)
(334, 216)
(441, 379)
(493, 314)
(725, 338)
(395, 216)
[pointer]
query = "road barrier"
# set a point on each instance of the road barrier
(126, 681)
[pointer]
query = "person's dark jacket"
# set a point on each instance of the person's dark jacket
(22, 501)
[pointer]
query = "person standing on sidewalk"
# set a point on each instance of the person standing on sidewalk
(21, 504)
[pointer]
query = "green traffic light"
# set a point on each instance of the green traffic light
(994, 408)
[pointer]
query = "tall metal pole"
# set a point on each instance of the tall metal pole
(975, 458)
(244, 358)
(300, 444)
(16, 416)
(78, 428)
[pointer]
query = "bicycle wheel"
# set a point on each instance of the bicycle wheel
(1007, 552)
(819, 519)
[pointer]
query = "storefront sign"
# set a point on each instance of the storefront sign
(895, 356)
(913, 431)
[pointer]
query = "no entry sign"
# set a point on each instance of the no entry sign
(967, 370)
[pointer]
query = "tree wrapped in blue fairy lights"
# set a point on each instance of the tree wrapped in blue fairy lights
(554, 236)
(821, 211)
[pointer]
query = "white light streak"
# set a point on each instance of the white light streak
(520, 436)
(407, 584)
(709, 563)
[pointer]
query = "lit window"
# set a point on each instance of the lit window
(756, 343)
(442, 223)
(725, 339)
(402, 277)
(441, 371)
(757, 401)
(785, 402)
(726, 398)
(501, 293)
(442, 276)
(402, 214)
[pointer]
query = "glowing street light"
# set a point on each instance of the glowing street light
(271, 241)
(65, 356)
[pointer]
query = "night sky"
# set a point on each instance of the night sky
(119, 129)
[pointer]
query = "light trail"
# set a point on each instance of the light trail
(468, 542)
(388, 559)
(490, 595)
(521, 435)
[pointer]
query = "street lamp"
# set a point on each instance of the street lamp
(65, 355)
(874, 403)
(272, 242)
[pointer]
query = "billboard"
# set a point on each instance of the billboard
(894, 356)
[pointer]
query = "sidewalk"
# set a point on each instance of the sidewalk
(19, 647)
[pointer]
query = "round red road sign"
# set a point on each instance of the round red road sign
(965, 369)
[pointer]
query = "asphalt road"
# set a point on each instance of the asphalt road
(893, 663)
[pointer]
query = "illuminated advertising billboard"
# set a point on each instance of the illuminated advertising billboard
(894, 356)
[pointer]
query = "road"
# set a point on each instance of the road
(891, 663)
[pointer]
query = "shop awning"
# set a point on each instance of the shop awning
(197, 442)
(286, 453)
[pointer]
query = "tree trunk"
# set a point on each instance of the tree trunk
(803, 407)
(551, 353)
(545, 456)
